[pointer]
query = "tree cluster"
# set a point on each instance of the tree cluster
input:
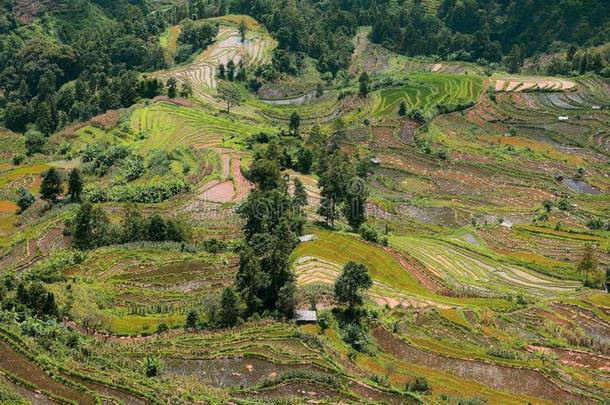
(273, 219)
(51, 81)
(489, 30)
(91, 228)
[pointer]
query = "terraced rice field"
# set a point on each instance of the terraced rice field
(466, 269)
(202, 73)
(397, 282)
(426, 91)
(167, 125)
(523, 84)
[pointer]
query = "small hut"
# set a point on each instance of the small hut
(302, 317)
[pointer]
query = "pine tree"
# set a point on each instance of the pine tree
(295, 123)
(364, 84)
(75, 185)
(243, 28)
(300, 194)
(51, 186)
(191, 320)
(229, 307)
(402, 110)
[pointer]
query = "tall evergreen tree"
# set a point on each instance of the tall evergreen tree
(51, 186)
(75, 185)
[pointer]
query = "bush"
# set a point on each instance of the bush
(52, 268)
(152, 366)
(162, 328)
(17, 159)
(214, 245)
(25, 199)
(354, 335)
(420, 386)
(142, 193)
(370, 234)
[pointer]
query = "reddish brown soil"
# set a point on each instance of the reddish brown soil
(418, 271)
(578, 358)
(50, 240)
(177, 101)
(372, 394)
(384, 137)
(242, 185)
(408, 128)
(297, 389)
(106, 121)
(22, 367)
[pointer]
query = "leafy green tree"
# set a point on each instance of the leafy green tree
(230, 70)
(157, 228)
(133, 226)
(34, 142)
(548, 205)
(221, 71)
(229, 310)
(364, 85)
(186, 90)
(589, 267)
(243, 29)
(514, 59)
(90, 227)
(251, 281)
(420, 385)
(75, 185)
(295, 123)
(305, 159)
(402, 109)
(355, 204)
(300, 194)
(25, 199)
(229, 94)
(287, 299)
(172, 87)
(192, 319)
(265, 174)
(349, 286)
(51, 186)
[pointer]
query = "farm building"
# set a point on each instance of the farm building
(304, 316)
(307, 238)
(375, 161)
(563, 118)
(507, 224)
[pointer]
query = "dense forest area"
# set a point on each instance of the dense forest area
(80, 58)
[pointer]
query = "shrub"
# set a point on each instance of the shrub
(52, 268)
(17, 159)
(133, 167)
(152, 366)
(25, 199)
(354, 335)
(214, 245)
(372, 235)
(142, 193)
(420, 385)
